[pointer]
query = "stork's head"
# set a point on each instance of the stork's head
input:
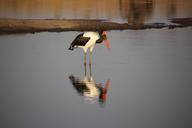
(105, 41)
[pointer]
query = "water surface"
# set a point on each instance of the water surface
(145, 79)
(150, 74)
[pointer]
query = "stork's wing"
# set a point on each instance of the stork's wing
(79, 41)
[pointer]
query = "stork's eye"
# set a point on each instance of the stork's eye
(104, 37)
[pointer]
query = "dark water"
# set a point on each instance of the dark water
(149, 73)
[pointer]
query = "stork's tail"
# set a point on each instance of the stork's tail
(71, 48)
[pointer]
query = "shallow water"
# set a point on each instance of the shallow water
(149, 74)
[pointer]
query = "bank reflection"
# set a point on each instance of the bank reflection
(89, 89)
(136, 12)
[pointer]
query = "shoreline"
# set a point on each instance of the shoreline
(16, 26)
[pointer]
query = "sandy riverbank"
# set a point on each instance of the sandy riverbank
(10, 26)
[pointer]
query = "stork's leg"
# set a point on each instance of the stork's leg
(90, 58)
(85, 58)
(85, 70)
(90, 70)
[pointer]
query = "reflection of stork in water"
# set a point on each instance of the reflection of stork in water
(88, 88)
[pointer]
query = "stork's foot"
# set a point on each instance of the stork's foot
(90, 62)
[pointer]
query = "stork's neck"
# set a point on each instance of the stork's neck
(101, 38)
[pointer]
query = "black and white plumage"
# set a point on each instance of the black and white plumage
(87, 40)
(88, 88)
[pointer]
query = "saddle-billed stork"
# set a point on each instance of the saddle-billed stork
(87, 40)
